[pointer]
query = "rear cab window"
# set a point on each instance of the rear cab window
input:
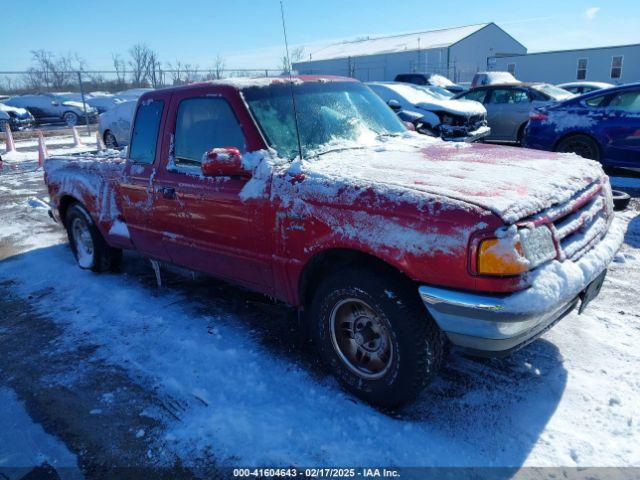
(144, 136)
(203, 123)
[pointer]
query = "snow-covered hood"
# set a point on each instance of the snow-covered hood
(78, 105)
(511, 182)
(17, 110)
(466, 108)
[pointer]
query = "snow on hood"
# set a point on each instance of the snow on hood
(511, 182)
(9, 108)
(465, 108)
(71, 103)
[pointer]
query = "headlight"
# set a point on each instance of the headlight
(516, 253)
(447, 119)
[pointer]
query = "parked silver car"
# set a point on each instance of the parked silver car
(51, 107)
(508, 106)
(114, 125)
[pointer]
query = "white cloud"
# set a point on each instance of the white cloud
(591, 12)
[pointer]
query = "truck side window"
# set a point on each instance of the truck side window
(144, 138)
(203, 124)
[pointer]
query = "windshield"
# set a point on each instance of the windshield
(438, 92)
(330, 114)
(554, 92)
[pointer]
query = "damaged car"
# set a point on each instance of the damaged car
(434, 112)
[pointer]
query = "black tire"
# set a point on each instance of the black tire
(416, 344)
(582, 145)
(100, 257)
(110, 140)
(520, 135)
(71, 119)
(620, 200)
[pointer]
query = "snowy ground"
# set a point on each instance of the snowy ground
(105, 370)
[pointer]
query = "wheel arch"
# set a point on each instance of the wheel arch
(63, 206)
(322, 263)
(575, 133)
(520, 131)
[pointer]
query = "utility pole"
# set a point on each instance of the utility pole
(84, 105)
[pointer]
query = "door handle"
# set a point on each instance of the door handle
(168, 193)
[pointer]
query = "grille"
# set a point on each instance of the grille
(579, 224)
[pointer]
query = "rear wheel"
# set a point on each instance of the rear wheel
(375, 336)
(71, 119)
(86, 242)
(581, 145)
(110, 140)
(520, 135)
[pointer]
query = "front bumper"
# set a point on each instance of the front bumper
(497, 324)
(21, 123)
(468, 137)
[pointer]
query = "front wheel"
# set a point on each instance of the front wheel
(581, 145)
(375, 336)
(86, 242)
(71, 119)
(110, 140)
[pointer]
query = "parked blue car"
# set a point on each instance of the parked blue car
(603, 125)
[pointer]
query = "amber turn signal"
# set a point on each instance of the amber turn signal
(501, 256)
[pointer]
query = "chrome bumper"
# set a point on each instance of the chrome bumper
(496, 324)
(485, 324)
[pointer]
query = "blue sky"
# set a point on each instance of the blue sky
(247, 33)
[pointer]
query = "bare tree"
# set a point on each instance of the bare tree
(119, 66)
(154, 70)
(218, 67)
(285, 66)
(140, 57)
(50, 71)
(297, 54)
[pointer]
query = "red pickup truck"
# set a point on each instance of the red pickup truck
(392, 245)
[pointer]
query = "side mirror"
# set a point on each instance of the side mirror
(223, 162)
(394, 104)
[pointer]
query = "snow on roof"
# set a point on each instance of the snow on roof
(396, 43)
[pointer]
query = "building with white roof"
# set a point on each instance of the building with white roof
(457, 53)
(613, 64)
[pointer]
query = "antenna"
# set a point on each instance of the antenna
(293, 96)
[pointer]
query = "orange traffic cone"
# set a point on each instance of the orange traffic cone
(99, 143)
(43, 151)
(8, 138)
(76, 137)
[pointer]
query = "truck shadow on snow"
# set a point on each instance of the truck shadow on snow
(484, 411)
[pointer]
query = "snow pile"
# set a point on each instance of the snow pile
(248, 82)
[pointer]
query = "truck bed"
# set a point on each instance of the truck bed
(92, 179)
